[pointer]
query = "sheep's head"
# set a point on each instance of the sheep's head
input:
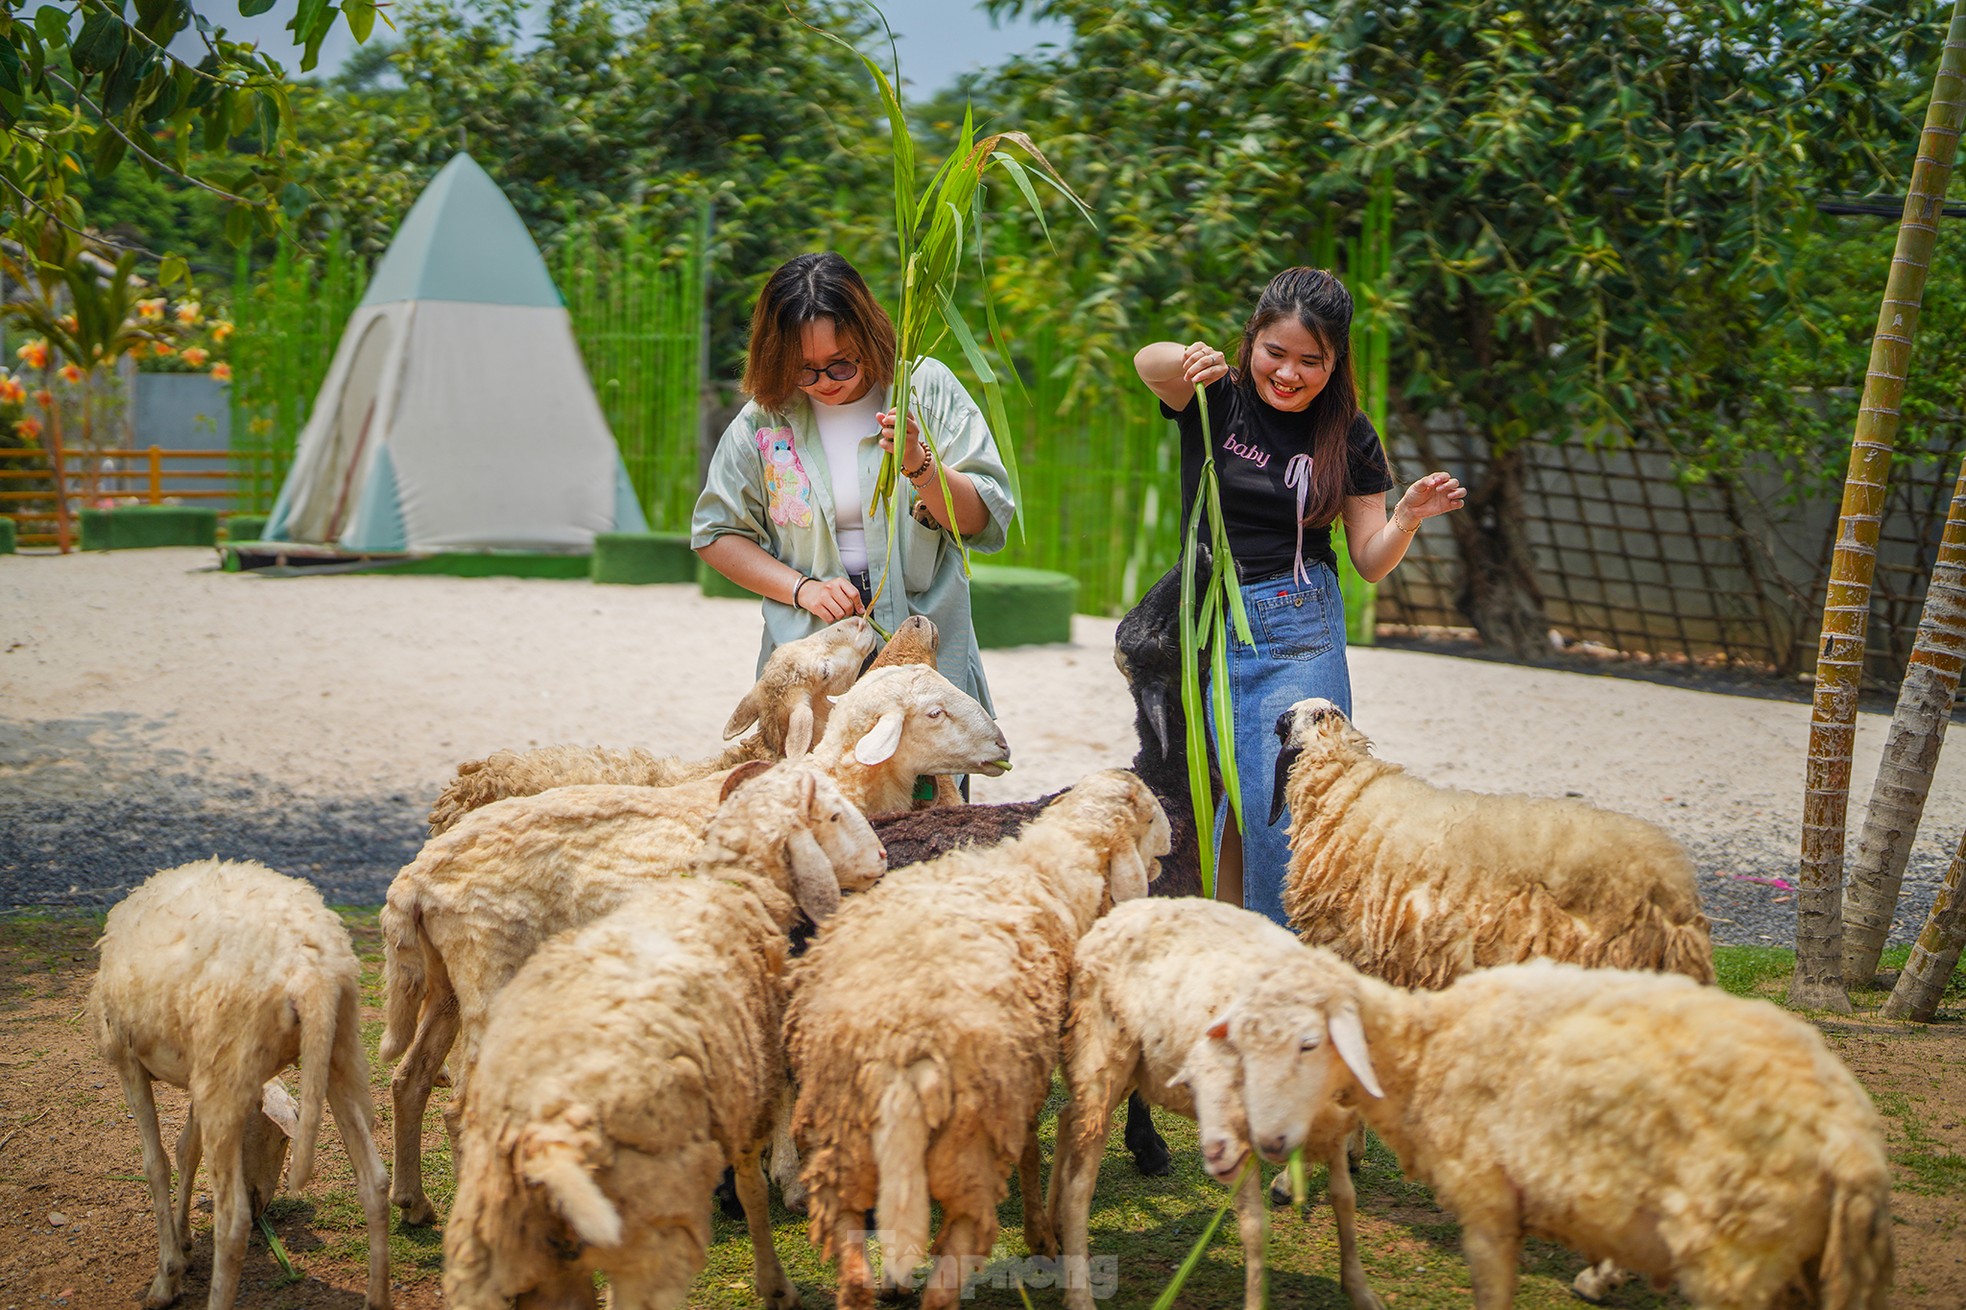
(1147, 649)
(792, 820)
(911, 720)
(264, 1150)
(1116, 810)
(914, 642)
(1296, 1042)
(789, 701)
(1314, 730)
(1214, 1084)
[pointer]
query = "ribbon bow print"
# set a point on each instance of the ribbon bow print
(1297, 473)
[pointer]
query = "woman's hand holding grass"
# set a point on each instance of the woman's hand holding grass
(831, 599)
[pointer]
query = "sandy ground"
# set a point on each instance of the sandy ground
(153, 710)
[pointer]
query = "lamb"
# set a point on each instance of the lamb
(924, 1024)
(1418, 884)
(214, 977)
(1637, 1117)
(1195, 1004)
(622, 1068)
(476, 903)
(788, 703)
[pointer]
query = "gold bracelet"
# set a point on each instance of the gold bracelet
(1396, 527)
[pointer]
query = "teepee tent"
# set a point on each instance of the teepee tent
(457, 414)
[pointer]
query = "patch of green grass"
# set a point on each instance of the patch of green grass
(1756, 971)
(1934, 1170)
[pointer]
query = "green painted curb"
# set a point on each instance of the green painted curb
(1021, 607)
(140, 527)
(640, 557)
(6, 536)
(487, 564)
(716, 584)
(245, 527)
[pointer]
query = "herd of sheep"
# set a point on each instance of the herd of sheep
(642, 977)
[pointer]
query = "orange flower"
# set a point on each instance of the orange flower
(221, 329)
(196, 356)
(71, 374)
(45, 398)
(27, 429)
(34, 354)
(150, 310)
(222, 371)
(11, 391)
(188, 312)
(67, 322)
(161, 348)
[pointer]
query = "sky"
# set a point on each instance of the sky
(939, 39)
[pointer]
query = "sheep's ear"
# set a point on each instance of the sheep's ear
(1153, 699)
(882, 740)
(1348, 1038)
(815, 886)
(1219, 1030)
(798, 731)
(1127, 875)
(1286, 758)
(740, 775)
(744, 715)
(277, 1104)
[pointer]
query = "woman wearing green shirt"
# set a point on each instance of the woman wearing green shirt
(784, 511)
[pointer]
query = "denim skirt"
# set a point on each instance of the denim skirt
(1299, 653)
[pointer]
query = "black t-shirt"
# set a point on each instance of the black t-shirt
(1254, 444)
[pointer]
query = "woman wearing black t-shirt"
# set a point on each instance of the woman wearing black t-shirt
(1293, 454)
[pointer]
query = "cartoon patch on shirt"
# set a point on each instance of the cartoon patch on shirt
(788, 489)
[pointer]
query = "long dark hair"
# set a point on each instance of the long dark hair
(802, 289)
(1318, 300)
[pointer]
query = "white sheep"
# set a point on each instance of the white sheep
(1418, 884)
(214, 977)
(788, 703)
(924, 1026)
(1639, 1118)
(1197, 1005)
(621, 1070)
(475, 904)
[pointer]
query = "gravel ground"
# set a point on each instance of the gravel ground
(154, 711)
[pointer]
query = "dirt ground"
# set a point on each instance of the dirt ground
(76, 1231)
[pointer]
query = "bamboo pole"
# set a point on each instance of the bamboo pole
(1818, 980)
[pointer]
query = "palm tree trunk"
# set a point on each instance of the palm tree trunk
(1818, 981)
(1911, 752)
(1936, 953)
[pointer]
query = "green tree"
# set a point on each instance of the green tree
(1592, 211)
(620, 109)
(86, 86)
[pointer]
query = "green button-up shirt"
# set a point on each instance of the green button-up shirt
(770, 481)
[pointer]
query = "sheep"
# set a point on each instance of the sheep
(1147, 650)
(475, 904)
(915, 641)
(788, 703)
(1638, 1117)
(622, 1067)
(1193, 1003)
(924, 1025)
(215, 976)
(1418, 884)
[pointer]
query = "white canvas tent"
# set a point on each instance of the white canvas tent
(457, 414)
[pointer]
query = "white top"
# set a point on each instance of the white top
(841, 430)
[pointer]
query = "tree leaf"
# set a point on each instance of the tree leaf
(172, 270)
(254, 8)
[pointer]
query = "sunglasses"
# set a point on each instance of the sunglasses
(840, 370)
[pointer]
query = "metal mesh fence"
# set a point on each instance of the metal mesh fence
(1730, 570)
